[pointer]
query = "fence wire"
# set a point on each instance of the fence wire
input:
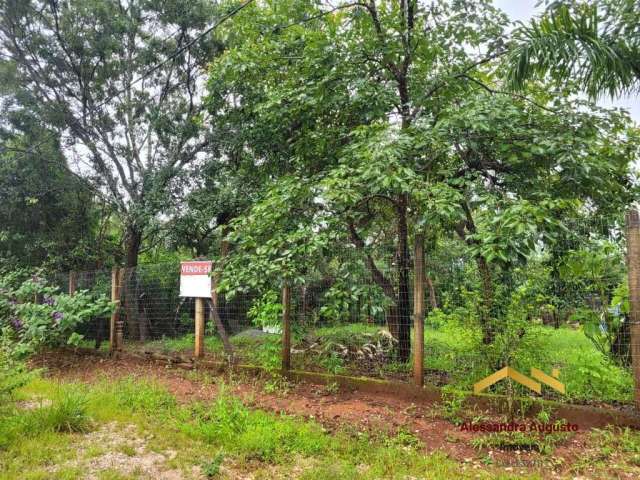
(561, 308)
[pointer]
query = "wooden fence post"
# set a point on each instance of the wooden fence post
(286, 327)
(633, 264)
(418, 310)
(73, 282)
(115, 316)
(199, 346)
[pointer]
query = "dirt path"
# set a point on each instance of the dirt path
(339, 410)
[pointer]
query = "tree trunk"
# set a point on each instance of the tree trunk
(213, 308)
(403, 303)
(133, 242)
(433, 300)
(486, 306)
(137, 326)
(223, 308)
(399, 313)
(383, 282)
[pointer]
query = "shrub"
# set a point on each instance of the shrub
(266, 311)
(13, 371)
(40, 315)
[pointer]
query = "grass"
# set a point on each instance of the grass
(614, 443)
(68, 413)
(184, 344)
(221, 435)
(453, 351)
(587, 373)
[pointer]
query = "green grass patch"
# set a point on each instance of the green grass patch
(622, 441)
(206, 435)
(586, 372)
(182, 344)
(252, 434)
(452, 349)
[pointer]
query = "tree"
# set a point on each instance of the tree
(595, 45)
(47, 216)
(328, 85)
(351, 165)
(524, 173)
(56, 211)
(224, 189)
(119, 82)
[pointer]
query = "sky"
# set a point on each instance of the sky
(523, 10)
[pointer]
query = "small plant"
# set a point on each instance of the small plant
(211, 469)
(68, 414)
(13, 371)
(403, 438)
(487, 460)
(544, 415)
(332, 363)
(332, 388)
(127, 449)
(277, 384)
(452, 404)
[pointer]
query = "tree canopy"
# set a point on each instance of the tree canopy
(300, 142)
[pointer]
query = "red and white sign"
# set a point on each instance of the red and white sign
(195, 279)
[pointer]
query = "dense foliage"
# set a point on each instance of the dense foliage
(315, 146)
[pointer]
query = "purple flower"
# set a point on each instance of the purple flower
(57, 316)
(48, 300)
(17, 324)
(13, 301)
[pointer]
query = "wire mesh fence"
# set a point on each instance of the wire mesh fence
(563, 310)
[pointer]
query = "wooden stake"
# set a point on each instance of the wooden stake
(115, 316)
(286, 327)
(199, 347)
(418, 311)
(73, 282)
(633, 263)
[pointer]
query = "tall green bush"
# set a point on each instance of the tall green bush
(38, 314)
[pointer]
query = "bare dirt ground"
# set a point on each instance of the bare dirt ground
(354, 410)
(120, 449)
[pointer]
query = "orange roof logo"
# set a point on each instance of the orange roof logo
(508, 372)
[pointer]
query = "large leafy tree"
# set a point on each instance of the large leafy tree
(48, 215)
(377, 121)
(220, 191)
(119, 82)
(328, 85)
(56, 220)
(523, 173)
